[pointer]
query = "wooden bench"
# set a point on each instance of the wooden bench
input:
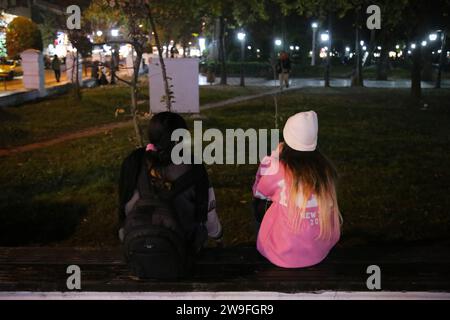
(237, 269)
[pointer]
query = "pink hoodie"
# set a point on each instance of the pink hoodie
(277, 240)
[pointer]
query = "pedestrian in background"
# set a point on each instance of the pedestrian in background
(56, 66)
(284, 69)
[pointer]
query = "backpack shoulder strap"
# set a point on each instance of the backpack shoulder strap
(143, 184)
(197, 177)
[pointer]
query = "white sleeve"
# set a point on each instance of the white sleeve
(213, 224)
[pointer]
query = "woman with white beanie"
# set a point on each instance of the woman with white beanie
(303, 222)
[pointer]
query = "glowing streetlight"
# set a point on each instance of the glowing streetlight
(424, 43)
(99, 33)
(278, 42)
(324, 37)
(433, 37)
(413, 46)
(314, 25)
(364, 48)
(241, 37)
(114, 32)
(361, 43)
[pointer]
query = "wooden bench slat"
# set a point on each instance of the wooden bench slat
(239, 255)
(229, 269)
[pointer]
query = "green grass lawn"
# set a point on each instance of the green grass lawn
(64, 114)
(392, 159)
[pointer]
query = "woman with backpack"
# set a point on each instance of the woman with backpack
(298, 185)
(166, 211)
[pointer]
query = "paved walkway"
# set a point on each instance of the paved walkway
(16, 85)
(339, 83)
(66, 137)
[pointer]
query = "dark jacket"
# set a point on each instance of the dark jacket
(193, 205)
(284, 65)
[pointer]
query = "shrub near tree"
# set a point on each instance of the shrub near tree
(22, 34)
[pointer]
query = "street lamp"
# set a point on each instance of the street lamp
(278, 42)
(413, 46)
(424, 43)
(114, 32)
(99, 33)
(433, 37)
(241, 37)
(314, 27)
(324, 37)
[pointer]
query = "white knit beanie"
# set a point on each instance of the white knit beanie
(300, 131)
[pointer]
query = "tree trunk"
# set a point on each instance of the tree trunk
(134, 91)
(357, 80)
(441, 59)
(416, 88)
(222, 54)
(427, 65)
(371, 48)
(328, 66)
(113, 65)
(77, 76)
(168, 96)
(382, 65)
(383, 61)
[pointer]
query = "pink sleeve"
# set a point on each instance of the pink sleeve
(267, 178)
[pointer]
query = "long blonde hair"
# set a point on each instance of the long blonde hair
(311, 173)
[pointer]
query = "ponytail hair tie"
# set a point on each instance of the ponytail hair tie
(151, 147)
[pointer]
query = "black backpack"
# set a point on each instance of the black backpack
(155, 246)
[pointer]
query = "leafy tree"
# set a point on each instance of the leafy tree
(129, 16)
(3, 52)
(324, 10)
(83, 46)
(22, 34)
(232, 13)
(418, 21)
(142, 20)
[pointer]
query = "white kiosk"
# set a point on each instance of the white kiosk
(184, 79)
(33, 70)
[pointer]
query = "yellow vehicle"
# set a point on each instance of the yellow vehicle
(10, 69)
